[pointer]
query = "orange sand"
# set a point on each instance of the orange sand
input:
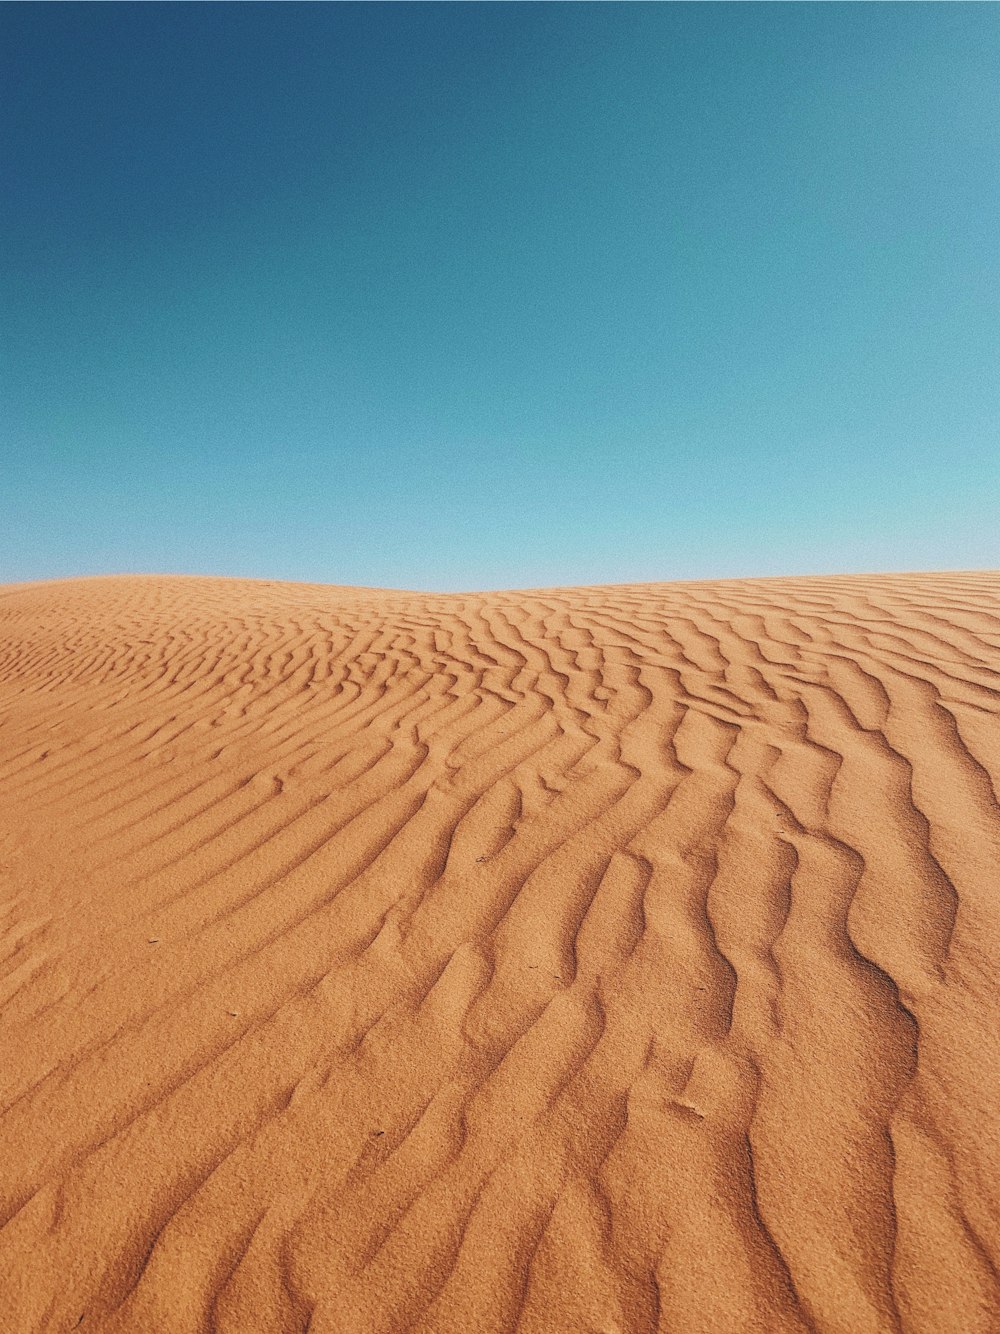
(598, 959)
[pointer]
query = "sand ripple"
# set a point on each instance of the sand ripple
(601, 959)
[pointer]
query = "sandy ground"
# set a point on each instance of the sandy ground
(599, 959)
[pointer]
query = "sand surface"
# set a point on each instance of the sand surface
(587, 960)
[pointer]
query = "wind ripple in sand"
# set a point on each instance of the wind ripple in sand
(599, 959)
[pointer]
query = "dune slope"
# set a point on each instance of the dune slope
(599, 959)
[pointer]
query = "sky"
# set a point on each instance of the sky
(482, 296)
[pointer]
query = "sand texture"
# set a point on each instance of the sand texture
(584, 960)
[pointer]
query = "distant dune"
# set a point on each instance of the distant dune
(589, 960)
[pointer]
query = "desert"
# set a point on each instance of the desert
(611, 959)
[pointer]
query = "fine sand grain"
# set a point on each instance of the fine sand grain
(585, 960)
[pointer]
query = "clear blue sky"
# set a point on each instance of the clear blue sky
(461, 296)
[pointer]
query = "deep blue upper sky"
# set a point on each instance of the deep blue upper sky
(458, 296)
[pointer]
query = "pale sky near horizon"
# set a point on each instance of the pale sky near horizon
(478, 296)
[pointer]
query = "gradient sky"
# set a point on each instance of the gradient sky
(461, 296)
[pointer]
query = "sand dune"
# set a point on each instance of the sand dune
(598, 959)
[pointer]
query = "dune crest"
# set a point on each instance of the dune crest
(603, 959)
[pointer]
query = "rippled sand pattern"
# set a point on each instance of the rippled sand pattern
(600, 959)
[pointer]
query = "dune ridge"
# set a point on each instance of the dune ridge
(599, 959)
